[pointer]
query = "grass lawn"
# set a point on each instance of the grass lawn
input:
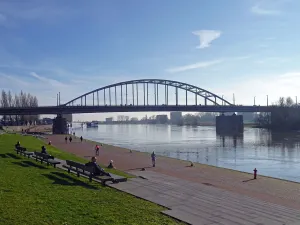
(32, 193)
(35, 144)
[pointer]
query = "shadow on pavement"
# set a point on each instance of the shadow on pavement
(248, 180)
(141, 168)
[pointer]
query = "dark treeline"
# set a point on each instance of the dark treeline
(190, 119)
(7, 99)
(284, 118)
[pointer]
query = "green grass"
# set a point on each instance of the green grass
(32, 193)
(35, 144)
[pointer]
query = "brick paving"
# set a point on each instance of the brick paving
(272, 191)
(199, 204)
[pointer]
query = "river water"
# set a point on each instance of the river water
(273, 154)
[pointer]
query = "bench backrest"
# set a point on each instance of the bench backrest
(75, 164)
(22, 149)
(41, 155)
(80, 166)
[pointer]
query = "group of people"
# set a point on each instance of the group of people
(70, 139)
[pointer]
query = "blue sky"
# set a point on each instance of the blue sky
(246, 47)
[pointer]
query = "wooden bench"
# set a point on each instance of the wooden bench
(45, 158)
(23, 151)
(88, 171)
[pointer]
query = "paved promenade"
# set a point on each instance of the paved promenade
(202, 186)
(203, 204)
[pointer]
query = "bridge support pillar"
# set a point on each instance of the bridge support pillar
(60, 125)
(231, 125)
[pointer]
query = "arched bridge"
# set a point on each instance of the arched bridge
(148, 92)
(141, 96)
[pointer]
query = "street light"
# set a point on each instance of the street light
(254, 99)
(267, 100)
(296, 101)
(233, 99)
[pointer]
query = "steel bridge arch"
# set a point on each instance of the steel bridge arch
(184, 86)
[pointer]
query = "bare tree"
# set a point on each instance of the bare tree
(289, 102)
(4, 102)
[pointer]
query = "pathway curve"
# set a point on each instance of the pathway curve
(266, 189)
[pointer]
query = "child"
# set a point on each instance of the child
(111, 166)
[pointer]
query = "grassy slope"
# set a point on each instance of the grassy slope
(34, 144)
(31, 193)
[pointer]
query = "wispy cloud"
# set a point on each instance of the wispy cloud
(4, 78)
(48, 81)
(193, 66)
(206, 37)
(273, 60)
(268, 7)
(259, 10)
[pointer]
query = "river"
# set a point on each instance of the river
(273, 154)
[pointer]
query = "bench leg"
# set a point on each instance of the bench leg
(69, 170)
(90, 178)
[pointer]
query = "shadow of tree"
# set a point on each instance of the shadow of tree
(29, 164)
(20, 164)
(3, 155)
(64, 179)
(13, 156)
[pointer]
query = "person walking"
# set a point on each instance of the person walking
(153, 157)
(97, 149)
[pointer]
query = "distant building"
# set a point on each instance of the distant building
(176, 117)
(162, 119)
(68, 117)
(109, 119)
(47, 121)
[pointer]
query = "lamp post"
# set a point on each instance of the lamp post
(267, 100)
(296, 101)
(233, 99)
(254, 100)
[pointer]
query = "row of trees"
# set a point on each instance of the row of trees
(281, 116)
(7, 99)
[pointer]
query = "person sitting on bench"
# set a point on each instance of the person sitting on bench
(44, 151)
(18, 145)
(98, 171)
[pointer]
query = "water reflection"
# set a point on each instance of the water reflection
(273, 154)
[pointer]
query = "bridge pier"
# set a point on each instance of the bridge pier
(229, 124)
(60, 125)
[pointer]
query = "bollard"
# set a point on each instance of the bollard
(255, 173)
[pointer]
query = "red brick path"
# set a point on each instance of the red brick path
(264, 188)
